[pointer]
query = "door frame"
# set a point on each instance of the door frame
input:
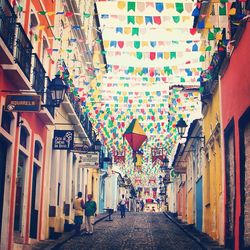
(230, 129)
(243, 121)
(201, 193)
(3, 164)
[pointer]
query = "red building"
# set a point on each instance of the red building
(24, 69)
(235, 98)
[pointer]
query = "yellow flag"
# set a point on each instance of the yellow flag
(218, 36)
(208, 25)
(41, 27)
(50, 13)
(232, 11)
(106, 44)
(166, 55)
(127, 30)
(169, 5)
(144, 43)
(139, 20)
(121, 4)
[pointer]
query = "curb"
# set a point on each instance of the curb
(69, 236)
(197, 240)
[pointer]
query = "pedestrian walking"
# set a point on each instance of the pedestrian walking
(142, 205)
(78, 205)
(90, 209)
(122, 206)
(137, 206)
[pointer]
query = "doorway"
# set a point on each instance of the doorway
(199, 204)
(3, 153)
(230, 184)
(34, 205)
(20, 182)
(244, 130)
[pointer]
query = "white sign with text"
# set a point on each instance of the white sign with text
(89, 160)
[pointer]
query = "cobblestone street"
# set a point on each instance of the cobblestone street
(136, 231)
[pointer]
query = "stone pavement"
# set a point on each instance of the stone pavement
(201, 238)
(55, 244)
(136, 231)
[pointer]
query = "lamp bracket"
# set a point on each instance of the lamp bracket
(19, 122)
(194, 137)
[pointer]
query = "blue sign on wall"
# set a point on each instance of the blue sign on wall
(63, 139)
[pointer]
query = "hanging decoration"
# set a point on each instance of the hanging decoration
(135, 137)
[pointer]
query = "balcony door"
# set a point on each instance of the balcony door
(3, 153)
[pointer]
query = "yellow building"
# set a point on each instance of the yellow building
(213, 210)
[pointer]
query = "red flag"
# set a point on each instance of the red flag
(152, 56)
(121, 44)
(157, 20)
(69, 14)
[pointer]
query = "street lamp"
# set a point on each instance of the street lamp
(181, 128)
(97, 145)
(165, 163)
(56, 90)
(160, 178)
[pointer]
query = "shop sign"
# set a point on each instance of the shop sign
(63, 139)
(23, 103)
(89, 160)
(81, 148)
(180, 169)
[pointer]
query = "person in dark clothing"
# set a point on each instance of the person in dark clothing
(90, 209)
(122, 206)
(142, 205)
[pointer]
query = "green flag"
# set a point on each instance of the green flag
(137, 44)
(135, 31)
(179, 7)
(131, 19)
(131, 6)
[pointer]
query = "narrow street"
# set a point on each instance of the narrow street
(136, 231)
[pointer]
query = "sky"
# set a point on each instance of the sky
(153, 59)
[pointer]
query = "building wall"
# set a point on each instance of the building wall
(190, 206)
(212, 190)
(235, 101)
(37, 130)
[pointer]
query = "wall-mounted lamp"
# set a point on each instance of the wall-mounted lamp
(181, 128)
(97, 145)
(57, 90)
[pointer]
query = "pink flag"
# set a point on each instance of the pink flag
(121, 44)
(152, 56)
(157, 20)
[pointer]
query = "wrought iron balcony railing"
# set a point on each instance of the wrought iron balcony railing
(23, 50)
(38, 76)
(211, 83)
(7, 24)
(48, 100)
(75, 103)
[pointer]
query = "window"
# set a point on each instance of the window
(33, 32)
(23, 137)
(7, 118)
(38, 149)
(44, 57)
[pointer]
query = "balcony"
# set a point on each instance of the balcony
(7, 30)
(17, 65)
(38, 76)
(210, 84)
(48, 100)
(23, 50)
